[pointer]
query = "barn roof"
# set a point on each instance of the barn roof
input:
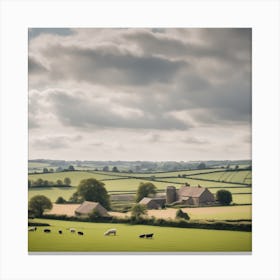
(191, 191)
(88, 206)
(146, 200)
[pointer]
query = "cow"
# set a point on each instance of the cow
(47, 230)
(80, 233)
(149, 235)
(72, 230)
(142, 235)
(60, 231)
(32, 229)
(111, 231)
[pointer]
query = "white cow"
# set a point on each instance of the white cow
(111, 231)
(73, 230)
(32, 229)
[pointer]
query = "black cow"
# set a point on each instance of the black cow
(142, 235)
(60, 231)
(150, 235)
(80, 233)
(47, 230)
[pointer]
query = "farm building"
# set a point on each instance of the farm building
(153, 203)
(189, 195)
(87, 207)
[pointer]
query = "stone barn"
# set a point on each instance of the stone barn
(153, 202)
(189, 195)
(87, 208)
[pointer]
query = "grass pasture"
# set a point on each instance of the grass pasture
(243, 212)
(52, 193)
(243, 177)
(166, 239)
(242, 198)
(75, 176)
(203, 183)
(119, 183)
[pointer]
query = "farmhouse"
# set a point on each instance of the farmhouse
(87, 207)
(189, 195)
(153, 203)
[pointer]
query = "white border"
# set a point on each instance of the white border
(262, 16)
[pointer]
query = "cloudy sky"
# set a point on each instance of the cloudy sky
(140, 94)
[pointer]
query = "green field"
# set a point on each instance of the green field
(242, 198)
(221, 212)
(37, 165)
(166, 174)
(52, 193)
(243, 177)
(203, 183)
(117, 182)
(165, 239)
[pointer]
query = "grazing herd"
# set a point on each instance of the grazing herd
(112, 231)
(148, 235)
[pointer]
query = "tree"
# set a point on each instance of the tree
(75, 198)
(236, 167)
(45, 170)
(202, 165)
(39, 182)
(93, 190)
(182, 215)
(224, 197)
(59, 182)
(60, 200)
(67, 181)
(138, 210)
(38, 204)
(29, 183)
(145, 190)
(115, 169)
(46, 183)
(71, 168)
(106, 168)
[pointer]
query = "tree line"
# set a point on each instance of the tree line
(41, 183)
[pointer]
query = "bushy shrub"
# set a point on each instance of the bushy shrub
(138, 210)
(182, 215)
(224, 197)
(60, 200)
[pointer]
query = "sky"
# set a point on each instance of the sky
(139, 94)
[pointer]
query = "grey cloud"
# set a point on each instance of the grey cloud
(227, 44)
(213, 75)
(35, 66)
(76, 111)
(32, 122)
(34, 32)
(109, 66)
(153, 43)
(55, 142)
